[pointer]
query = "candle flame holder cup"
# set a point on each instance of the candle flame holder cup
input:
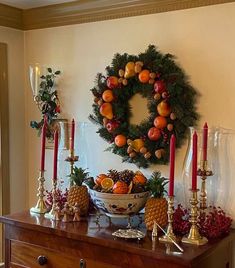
(40, 207)
(169, 236)
(194, 237)
(204, 172)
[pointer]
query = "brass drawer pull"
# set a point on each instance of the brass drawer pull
(42, 260)
(82, 263)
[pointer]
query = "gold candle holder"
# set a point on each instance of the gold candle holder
(71, 159)
(194, 236)
(51, 214)
(169, 237)
(40, 207)
(204, 173)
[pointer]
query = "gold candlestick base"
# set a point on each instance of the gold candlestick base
(169, 237)
(40, 207)
(51, 215)
(194, 238)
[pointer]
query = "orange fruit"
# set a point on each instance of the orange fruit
(120, 187)
(120, 140)
(144, 76)
(164, 108)
(139, 178)
(107, 183)
(107, 95)
(160, 122)
(99, 178)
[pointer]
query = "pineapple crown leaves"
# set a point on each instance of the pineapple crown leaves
(156, 184)
(78, 176)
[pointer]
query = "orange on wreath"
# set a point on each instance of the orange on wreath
(120, 140)
(107, 95)
(160, 122)
(144, 76)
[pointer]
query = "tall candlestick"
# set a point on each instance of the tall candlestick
(204, 142)
(172, 165)
(55, 155)
(43, 145)
(72, 135)
(194, 162)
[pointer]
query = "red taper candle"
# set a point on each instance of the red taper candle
(204, 142)
(43, 145)
(72, 135)
(172, 166)
(55, 155)
(194, 162)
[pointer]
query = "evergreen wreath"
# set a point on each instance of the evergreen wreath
(171, 106)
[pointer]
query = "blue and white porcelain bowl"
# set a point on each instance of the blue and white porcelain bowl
(119, 205)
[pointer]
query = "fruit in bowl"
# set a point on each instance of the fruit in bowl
(120, 193)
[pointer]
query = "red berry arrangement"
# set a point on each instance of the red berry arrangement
(181, 224)
(61, 198)
(216, 224)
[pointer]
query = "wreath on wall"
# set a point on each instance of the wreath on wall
(171, 106)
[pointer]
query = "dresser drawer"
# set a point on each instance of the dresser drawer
(29, 255)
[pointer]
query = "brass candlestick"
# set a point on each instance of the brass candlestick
(40, 207)
(204, 173)
(169, 236)
(194, 237)
(51, 214)
(71, 159)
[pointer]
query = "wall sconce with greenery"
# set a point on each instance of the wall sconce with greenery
(46, 97)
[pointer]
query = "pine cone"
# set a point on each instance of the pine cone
(126, 176)
(113, 174)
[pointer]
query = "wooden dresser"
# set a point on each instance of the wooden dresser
(33, 241)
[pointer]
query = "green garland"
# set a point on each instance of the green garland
(156, 77)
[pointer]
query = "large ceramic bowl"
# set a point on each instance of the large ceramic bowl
(119, 205)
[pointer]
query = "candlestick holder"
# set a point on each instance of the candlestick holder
(52, 214)
(204, 172)
(40, 207)
(194, 236)
(169, 236)
(71, 159)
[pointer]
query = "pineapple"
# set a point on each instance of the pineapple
(156, 206)
(78, 193)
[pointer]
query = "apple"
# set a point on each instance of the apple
(112, 82)
(154, 134)
(159, 86)
(111, 126)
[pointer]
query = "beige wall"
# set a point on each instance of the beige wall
(203, 39)
(18, 190)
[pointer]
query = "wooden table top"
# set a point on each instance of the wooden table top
(88, 231)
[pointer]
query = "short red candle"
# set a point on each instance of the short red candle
(194, 162)
(204, 142)
(55, 155)
(172, 166)
(43, 143)
(72, 135)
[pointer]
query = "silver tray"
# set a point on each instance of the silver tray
(129, 234)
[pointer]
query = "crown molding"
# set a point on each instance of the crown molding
(11, 17)
(84, 11)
